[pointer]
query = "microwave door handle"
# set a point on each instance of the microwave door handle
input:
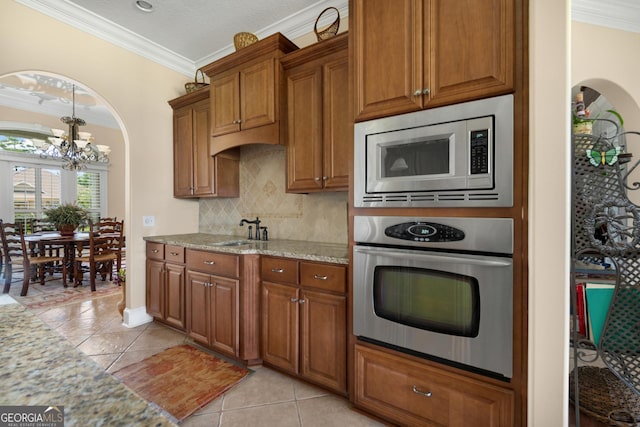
(483, 260)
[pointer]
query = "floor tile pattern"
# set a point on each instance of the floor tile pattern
(266, 398)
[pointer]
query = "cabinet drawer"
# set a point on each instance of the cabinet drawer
(415, 394)
(328, 277)
(173, 253)
(213, 263)
(155, 250)
(279, 270)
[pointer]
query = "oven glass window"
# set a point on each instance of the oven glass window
(428, 157)
(427, 299)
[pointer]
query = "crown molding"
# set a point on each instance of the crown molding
(292, 27)
(617, 14)
(93, 24)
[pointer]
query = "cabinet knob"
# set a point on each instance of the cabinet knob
(417, 92)
(324, 178)
(209, 262)
(416, 390)
(317, 178)
(316, 276)
(277, 270)
(294, 299)
(237, 122)
(426, 91)
(174, 253)
(301, 301)
(155, 251)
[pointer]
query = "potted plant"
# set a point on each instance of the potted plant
(121, 280)
(67, 217)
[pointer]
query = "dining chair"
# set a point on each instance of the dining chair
(104, 246)
(113, 227)
(15, 252)
(40, 225)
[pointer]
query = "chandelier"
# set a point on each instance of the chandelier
(74, 147)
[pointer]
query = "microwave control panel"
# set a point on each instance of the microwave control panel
(479, 152)
(424, 232)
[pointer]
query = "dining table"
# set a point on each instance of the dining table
(71, 244)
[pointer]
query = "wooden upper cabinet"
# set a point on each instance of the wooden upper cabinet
(196, 173)
(247, 94)
(257, 92)
(183, 152)
(318, 133)
(203, 162)
(415, 54)
(243, 99)
(225, 104)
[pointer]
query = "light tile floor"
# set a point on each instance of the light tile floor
(265, 398)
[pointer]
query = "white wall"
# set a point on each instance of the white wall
(137, 90)
(548, 212)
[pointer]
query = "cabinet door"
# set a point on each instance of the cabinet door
(225, 104)
(323, 319)
(387, 46)
(337, 131)
(257, 95)
(175, 295)
(469, 49)
(198, 306)
(182, 152)
(155, 288)
(203, 172)
(413, 394)
(304, 133)
(224, 311)
(280, 326)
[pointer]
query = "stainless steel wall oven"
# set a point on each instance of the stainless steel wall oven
(439, 288)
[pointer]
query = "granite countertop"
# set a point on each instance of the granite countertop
(40, 367)
(313, 251)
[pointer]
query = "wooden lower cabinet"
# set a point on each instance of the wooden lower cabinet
(303, 329)
(165, 269)
(413, 394)
(213, 311)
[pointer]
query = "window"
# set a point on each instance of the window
(89, 193)
(34, 189)
(30, 184)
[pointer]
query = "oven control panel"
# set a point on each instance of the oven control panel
(424, 232)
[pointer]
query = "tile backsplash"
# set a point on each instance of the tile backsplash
(319, 217)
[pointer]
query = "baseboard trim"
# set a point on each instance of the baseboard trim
(133, 317)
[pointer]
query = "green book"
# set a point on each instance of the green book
(598, 300)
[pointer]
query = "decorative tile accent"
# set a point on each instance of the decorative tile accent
(319, 217)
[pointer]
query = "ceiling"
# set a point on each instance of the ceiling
(185, 35)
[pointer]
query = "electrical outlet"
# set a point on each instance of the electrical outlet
(148, 221)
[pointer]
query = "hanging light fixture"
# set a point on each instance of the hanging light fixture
(74, 147)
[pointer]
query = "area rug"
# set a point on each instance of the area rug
(41, 368)
(181, 379)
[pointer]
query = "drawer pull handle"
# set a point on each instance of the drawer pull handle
(294, 299)
(416, 390)
(209, 262)
(315, 276)
(174, 253)
(277, 270)
(155, 251)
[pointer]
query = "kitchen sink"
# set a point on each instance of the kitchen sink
(233, 243)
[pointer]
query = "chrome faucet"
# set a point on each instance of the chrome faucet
(256, 222)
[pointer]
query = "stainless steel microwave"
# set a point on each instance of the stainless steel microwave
(455, 156)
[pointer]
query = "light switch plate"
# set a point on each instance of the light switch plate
(148, 221)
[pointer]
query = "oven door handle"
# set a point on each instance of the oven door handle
(483, 260)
